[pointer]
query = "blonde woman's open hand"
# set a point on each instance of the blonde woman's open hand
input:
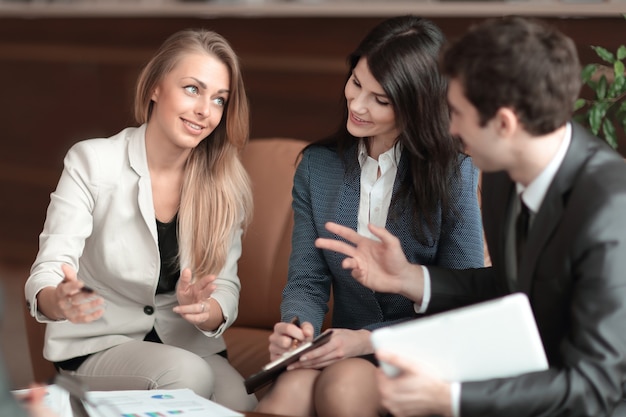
(194, 297)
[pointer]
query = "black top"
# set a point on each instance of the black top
(168, 249)
(170, 271)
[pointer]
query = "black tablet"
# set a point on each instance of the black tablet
(276, 367)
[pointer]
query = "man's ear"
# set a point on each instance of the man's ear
(506, 122)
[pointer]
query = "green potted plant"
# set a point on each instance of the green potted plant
(605, 113)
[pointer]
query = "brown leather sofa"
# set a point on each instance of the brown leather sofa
(263, 265)
(271, 164)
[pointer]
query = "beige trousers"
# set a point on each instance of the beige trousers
(139, 365)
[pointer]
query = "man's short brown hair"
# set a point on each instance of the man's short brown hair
(519, 63)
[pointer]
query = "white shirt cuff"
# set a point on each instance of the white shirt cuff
(419, 309)
(455, 394)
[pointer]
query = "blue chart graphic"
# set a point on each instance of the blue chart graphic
(163, 405)
(163, 396)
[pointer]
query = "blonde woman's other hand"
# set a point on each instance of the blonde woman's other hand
(195, 302)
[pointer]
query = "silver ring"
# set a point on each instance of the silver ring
(203, 307)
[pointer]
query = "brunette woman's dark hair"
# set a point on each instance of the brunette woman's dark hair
(402, 54)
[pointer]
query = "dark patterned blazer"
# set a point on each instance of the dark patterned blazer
(574, 273)
(325, 191)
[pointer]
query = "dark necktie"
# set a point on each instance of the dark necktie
(521, 231)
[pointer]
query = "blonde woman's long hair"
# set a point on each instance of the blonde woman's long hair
(216, 197)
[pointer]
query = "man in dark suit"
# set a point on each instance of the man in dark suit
(513, 83)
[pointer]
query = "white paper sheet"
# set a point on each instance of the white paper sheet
(148, 403)
(154, 403)
(492, 339)
(56, 399)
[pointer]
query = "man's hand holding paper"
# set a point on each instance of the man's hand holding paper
(413, 390)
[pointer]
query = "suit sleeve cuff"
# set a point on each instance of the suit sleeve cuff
(419, 309)
(455, 394)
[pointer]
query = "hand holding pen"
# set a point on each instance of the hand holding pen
(77, 302)
(295, 342)
(288, 336)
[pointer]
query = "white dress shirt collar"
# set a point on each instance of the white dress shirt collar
(535, 192)
(394, 153)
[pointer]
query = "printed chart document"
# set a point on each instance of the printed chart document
(153, 403)
(143, 403)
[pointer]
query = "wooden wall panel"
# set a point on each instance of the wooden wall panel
(67, 79)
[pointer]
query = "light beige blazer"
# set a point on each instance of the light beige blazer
(101, 221)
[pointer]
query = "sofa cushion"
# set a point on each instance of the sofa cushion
(266, 245)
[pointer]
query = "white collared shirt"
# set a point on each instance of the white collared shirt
(534, 193)
(376, 191)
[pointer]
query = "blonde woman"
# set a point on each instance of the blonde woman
(136, 276)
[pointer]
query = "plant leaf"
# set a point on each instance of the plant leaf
(596, 114)
(618, 81)
(579, 104)
(588, 72)
(621, 52)
(622, 90)
(595, 119)
(621, 114)
(609, 133)
(604, 53)
(618, 69)
(601, 88)
(617, 88)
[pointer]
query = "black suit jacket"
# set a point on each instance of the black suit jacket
(574, 273)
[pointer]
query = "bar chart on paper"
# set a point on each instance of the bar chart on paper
(148, 403)
(154, 403)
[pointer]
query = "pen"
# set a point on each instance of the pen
(84, 288)
(295, 342)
